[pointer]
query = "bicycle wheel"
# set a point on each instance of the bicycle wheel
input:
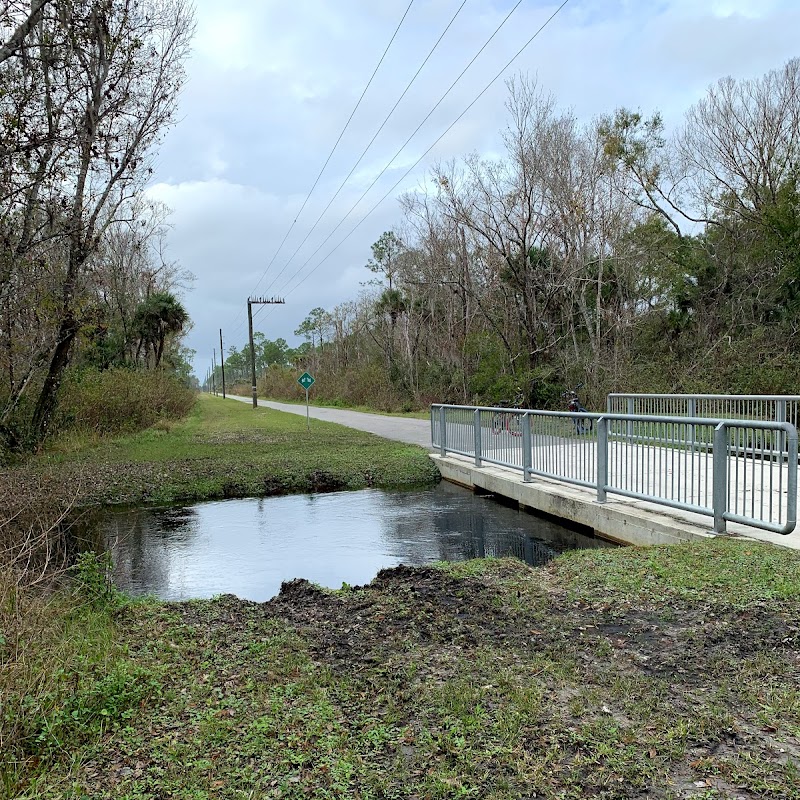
(513, 425)
(497, 423)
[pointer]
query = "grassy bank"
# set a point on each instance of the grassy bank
(67, 675)
(226, 449)
(665, 673)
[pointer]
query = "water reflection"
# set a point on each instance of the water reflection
(248, 547)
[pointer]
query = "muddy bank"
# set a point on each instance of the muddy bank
(485, 679)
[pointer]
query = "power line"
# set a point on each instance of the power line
(374, 137)
(403, 146)
(336, 143)
(441, 136)
(239, 318)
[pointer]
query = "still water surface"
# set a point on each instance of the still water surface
(249, 547)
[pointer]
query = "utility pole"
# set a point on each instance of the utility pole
(222, 362)
(251, 301)
(214, 368)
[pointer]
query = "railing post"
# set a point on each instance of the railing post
(720, 478)
(442, 432)
(526, 447)
(780, 416)
(629, 426)
(477, 424)
(791, 484)
(602, 459)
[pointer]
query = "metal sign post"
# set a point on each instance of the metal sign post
(306, 380)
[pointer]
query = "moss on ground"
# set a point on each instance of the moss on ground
(668, 672)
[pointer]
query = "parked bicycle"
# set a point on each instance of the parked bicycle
(582, 425)
(508, 421)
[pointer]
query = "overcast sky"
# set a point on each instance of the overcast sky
(272, 83)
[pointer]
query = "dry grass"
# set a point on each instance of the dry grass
(35, 643)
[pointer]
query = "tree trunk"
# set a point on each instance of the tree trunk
(46, 403)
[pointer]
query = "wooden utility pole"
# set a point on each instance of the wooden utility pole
(214, 369)
(222, 362)
(251, 301)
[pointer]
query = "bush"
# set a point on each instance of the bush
(92, 580)
(121, 400)
(367, 385)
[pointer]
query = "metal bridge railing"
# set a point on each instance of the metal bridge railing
(768, 408)
(732, 470)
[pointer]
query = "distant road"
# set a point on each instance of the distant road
(401, 429)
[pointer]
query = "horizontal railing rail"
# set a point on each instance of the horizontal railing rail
(732, 470)
(774, 408)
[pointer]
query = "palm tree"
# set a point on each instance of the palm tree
(156, 318)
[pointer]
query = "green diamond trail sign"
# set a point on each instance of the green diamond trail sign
(306, 380)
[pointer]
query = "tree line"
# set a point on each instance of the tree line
(270, 354)
(87, 89)
(608, 253)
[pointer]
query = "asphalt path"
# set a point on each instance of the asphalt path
(400, 429)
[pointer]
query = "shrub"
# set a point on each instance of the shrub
(367, 385)
(121, 400)
(92, 580)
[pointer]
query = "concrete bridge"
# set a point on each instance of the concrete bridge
(670, 464)
(632, 478)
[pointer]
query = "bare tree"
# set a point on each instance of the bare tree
(741, 143)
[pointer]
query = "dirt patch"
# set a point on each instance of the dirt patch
(402, 607)
(421, 605)
(697, 656)
(441, 683)
(321, 481)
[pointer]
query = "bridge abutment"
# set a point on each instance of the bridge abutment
(618, 520)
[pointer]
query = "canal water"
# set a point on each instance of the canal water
(249, 547)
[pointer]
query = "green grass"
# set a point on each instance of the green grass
(664, 672)
(720, 570)
(599, 676)
(225, 449)
(419, 414)
(65, 675)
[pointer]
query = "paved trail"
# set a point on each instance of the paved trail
(401, 429)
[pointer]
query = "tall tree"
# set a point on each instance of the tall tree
(101, 91)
